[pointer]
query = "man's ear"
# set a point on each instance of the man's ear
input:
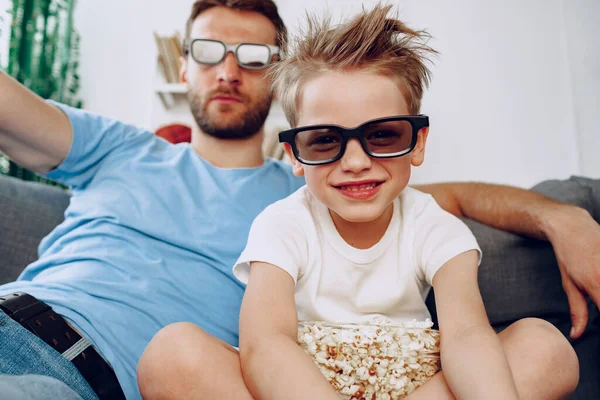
(183, 70)
(297, 167)
(418, 154)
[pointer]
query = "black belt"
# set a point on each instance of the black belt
(39, 318)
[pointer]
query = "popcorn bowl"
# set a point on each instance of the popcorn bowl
(372, 361)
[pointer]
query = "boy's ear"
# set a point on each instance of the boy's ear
(297, 167)
(183, 70)
(418, 154)
(272, 88)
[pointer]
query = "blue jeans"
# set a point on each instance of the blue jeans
(35, 387)
(24, 354)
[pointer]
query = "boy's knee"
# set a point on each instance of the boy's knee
(550, 353)
(172, 354)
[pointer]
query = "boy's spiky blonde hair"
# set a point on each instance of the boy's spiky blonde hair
(370, 42)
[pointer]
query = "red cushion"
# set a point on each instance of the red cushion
(175, 133)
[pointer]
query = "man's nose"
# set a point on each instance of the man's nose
(229, 71)
(355, 159)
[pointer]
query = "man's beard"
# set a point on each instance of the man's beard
(247, 125)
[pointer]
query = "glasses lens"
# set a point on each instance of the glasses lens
(253, 55)
(207, 51)
(318, 144)
(389, 138)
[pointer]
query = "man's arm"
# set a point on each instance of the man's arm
(503, 207)
(273, 365)
(573, 233)
(33, 133)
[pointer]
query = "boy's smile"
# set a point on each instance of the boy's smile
(361, 190)
(357, 189)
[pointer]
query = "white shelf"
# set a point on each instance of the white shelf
(171, 88)
(167, 91)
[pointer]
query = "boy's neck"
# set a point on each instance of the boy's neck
(363, 235)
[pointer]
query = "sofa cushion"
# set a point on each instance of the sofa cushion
(28, 212)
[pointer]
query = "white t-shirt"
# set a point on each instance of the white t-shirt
(339, 283)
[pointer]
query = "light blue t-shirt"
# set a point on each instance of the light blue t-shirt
(150, 238)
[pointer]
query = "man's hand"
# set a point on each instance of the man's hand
(575, 237)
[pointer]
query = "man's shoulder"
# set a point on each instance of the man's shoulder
(87, 124)
(282, 167)
(78, 115)
(283, 171)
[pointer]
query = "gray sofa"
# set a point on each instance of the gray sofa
(518, 277)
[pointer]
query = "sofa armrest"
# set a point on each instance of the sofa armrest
(28, 212)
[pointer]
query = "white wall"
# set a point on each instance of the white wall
(582, 19)
(4, 32)
(117, 56)
(505, 104)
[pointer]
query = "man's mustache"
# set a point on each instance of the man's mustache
(226, 92)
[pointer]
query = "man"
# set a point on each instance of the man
(153, 229)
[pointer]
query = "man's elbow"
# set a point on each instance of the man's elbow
(444, 195)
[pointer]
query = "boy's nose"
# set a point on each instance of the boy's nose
(229, 71)
(355, 159)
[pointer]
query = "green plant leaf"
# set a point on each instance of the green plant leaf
(44, 56)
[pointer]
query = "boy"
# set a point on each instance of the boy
(356, 242)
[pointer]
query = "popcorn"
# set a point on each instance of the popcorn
(378, 360)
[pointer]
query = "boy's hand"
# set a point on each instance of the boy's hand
(575, 237)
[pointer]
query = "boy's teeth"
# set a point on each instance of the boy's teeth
(356, 188)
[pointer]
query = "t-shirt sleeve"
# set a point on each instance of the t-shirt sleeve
(439, 237)
(276, 238)
(96, 139)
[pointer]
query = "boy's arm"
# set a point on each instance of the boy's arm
(273, 365)
(573, 233)
(33, 133)
(475, 366)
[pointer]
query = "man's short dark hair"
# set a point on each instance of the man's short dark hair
(268, 8)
